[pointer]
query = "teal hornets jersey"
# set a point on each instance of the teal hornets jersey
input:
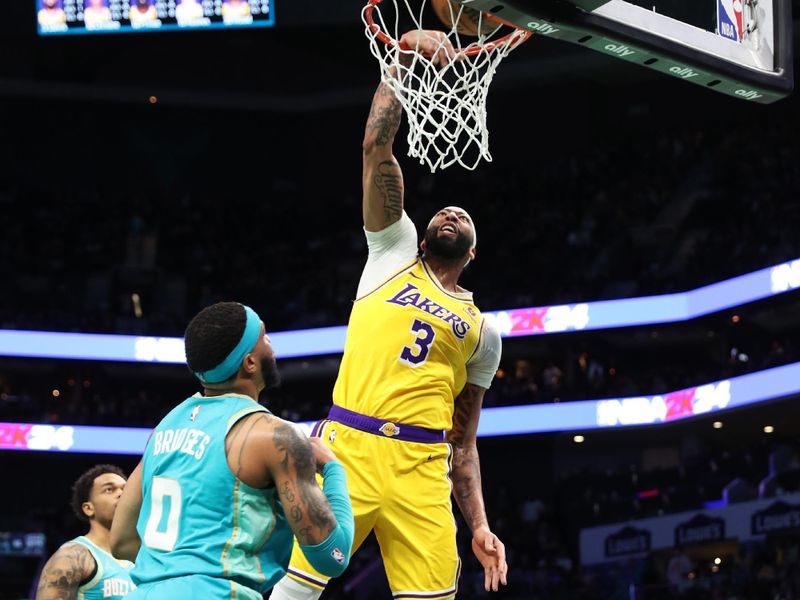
(199, 521)
(112, 580)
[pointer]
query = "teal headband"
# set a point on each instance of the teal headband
(228, 367)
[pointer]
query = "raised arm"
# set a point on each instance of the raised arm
(466, 477)
(382, 178)
(70, 567)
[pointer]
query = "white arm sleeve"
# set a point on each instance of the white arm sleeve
(484, 362)
(390, 249)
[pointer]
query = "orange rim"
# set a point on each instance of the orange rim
(389, 41)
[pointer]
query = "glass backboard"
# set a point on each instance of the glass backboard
(738, 47)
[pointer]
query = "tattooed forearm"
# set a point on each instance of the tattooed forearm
(382, 176)
(296, 513)
(466, 478)
(63, 574)
(384, 116)
(305, 505)
(287, 493)
(389, 180)
(294, 451)
(466, 474)
(465, 416)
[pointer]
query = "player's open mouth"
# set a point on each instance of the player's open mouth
(448, 228)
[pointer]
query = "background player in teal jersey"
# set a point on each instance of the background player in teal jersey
(84, 568)
(210, 510)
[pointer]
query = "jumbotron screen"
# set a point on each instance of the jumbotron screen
(60, 17)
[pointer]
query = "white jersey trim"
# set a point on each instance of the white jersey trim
(390, 250)
(482, 365)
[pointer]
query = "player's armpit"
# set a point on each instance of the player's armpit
(69, 568)
(294, 471)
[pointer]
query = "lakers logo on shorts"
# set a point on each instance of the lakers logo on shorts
(389, 429)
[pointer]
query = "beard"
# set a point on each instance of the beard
(447, 249)
(269, 370)
(104, 520)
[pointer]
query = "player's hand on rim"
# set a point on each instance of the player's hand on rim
(430, 43)
(491, 553)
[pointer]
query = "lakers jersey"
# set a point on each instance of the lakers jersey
(112, 579)
(52, 16)
(198, 519)
(408, 344)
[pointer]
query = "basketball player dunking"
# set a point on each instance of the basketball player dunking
(418, 359)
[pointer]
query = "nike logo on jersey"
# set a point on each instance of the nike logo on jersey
(411, 296)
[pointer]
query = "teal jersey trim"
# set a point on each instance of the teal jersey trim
(112, 579)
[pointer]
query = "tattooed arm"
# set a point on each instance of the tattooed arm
(306, 507)
(466, 477)
(69, 568)
(264, 449)
(382, 178)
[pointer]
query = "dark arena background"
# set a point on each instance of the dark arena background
(654, 453)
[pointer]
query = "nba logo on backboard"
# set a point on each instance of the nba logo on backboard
(730, 19)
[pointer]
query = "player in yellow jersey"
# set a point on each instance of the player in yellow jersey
(417, 361)
(235, 8)
(96, 12)
(51, 13)
(142, 11)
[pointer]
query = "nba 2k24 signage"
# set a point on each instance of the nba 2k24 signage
(628, 541)
(647, 410)
(700, 529)
(776, 518)
(21, 436)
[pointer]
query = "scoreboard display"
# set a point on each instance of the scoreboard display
(60, 17)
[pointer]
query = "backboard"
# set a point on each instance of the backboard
(742, 48)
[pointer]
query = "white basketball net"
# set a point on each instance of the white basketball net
(445, 105)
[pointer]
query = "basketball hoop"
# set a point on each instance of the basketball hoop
(445, 104)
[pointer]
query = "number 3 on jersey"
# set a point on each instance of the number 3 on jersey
(418, 354)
